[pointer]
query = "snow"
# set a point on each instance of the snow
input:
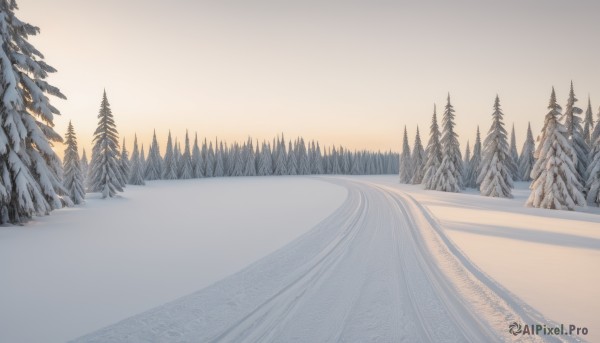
(547, 258)
(448, 266)
(83, 268)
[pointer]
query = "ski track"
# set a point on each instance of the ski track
(378, 269)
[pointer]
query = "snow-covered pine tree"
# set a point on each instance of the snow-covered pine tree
(406, 167)
(263, 166)
(280, 167)
(514, 156)
(186, 170)
(136, 174)
(219, 160)
(303, 162)
(249, 159)
(418, 160)
(124, 165)
(572, 122)
(209, 169)
(30, 171)
(73, 176)
(466, 164)
(292, 161)
(178, 157)
(197, 160)
(105, 168)
(170, 164)
(495, 176)
(83, 162)
(474, 163)
(142, 158)
(433, 152)
(555, 184)
(318, 160)
(593, 172)
(588, 125)
(335, 162)
(236, 165)
(448, 177)
(154, 163)
(527, 159)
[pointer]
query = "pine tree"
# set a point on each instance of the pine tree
(154, 164)
(292, 161)
(209, 169)
(513, 162)
(474, 163)
(237, 167)
(135, 175)
(555, 183)
(433, 152)
(303, 160)
(186, 170)
(142, 158)
(178, 159)
(588, 125)
(527, 159)
(406, 167)
(124, 165)
(83, 162)
(280, 167)
(219, 161)
(30, 171)
(249, 160)
(170, 164)
(263, 166)
(495, 175)
(448, 177)
(466, 164)
(593, 172)
(572, 122)
(197, 160)
(418, 159)
(73, 176)
(105, 169)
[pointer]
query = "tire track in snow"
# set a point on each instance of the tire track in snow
(377, 269)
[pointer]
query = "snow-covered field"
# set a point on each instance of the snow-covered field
(81, 269)
(389, 262)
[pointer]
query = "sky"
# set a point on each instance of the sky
(349, 73)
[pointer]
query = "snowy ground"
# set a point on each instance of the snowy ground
(391, 262)
(81, 269)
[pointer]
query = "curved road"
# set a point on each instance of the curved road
(378, 269)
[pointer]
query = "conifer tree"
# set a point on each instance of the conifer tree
(73, 176)
(170, 164)
(303, 161)
(513, 165)
(448, 177)
(593, 171)
(30, 171)
(527, 159)
(406, 167)
(209, 169)
(105, 168)
(250, 159)
(474, 163)
(588, 125)
(572, 122)
(495, 176)
(197, 160)
(418, 160)
(219, 161)
(292, 161)
(186, 170)
(555, 183)
(280, 167)
(136, 175)
(83, 162)
(433, 152)
(154, 164)
(466, 164)
(142, 158)
(124, 165)
(264, 161)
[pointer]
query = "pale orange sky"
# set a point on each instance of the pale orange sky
(350, 73)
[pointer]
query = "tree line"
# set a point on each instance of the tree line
(564, 168)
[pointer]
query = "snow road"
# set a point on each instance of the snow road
(378, 269)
